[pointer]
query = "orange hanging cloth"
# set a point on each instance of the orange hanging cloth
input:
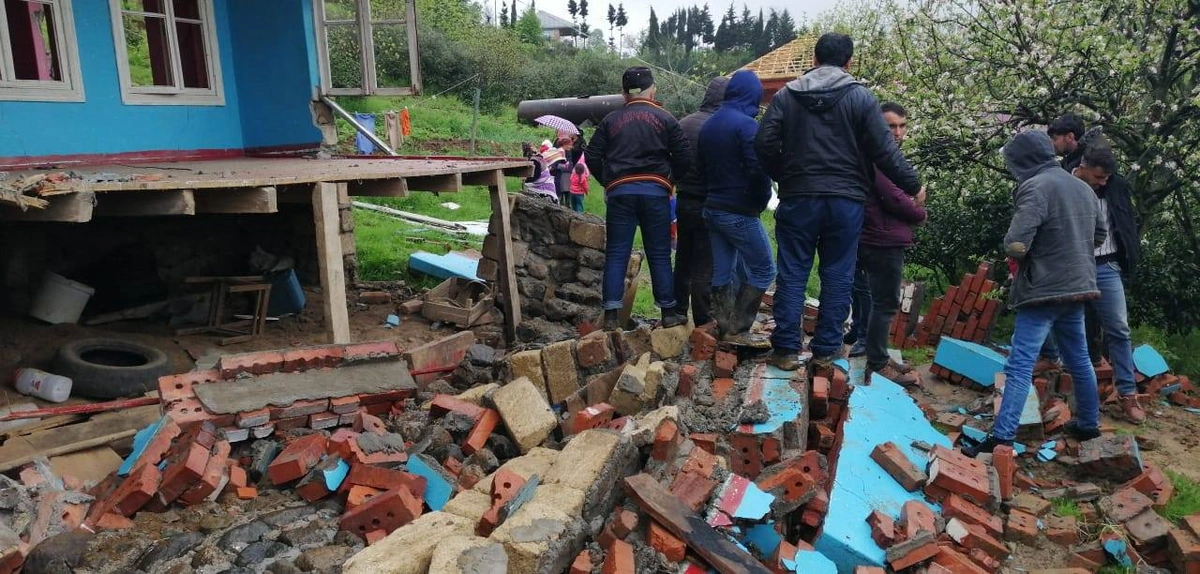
(405, 122)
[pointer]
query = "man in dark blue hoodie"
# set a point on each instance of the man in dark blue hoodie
(738, 192)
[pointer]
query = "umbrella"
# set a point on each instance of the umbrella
(561, 124)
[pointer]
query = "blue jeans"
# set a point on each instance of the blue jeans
(860, 306)
(577, 202)
(805, 227)
(1113, 314)
(1034, 323)
(737, 237)
(626, 213)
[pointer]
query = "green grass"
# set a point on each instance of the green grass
(385, 243)
(1186, 500)
(917, 355)
(1068, 508)
(1118, 570)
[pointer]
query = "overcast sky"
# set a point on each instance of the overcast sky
(639, 10)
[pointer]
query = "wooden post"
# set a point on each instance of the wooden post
(329, 255)
(475, 121)
(508, 271)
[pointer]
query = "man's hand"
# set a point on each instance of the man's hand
(920, 197)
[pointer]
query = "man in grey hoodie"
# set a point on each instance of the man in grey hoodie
(821, 139)
(1054, 231)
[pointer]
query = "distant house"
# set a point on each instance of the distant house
(553, 27)
(782, 65)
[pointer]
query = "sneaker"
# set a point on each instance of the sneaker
(785, 360)
(1077, 432)
(1132, 409)
(858, 349)
(892, 372)
(610, 320)
(672, 318)
(988, 445)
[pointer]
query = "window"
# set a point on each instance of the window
(167, 52)
(385, 64)
(39, 60)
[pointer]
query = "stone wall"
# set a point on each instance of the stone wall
(559, 260)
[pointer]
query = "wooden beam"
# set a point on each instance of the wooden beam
(482, 178)
(98, 431)
(507, 268)
(146, 204)
(522, 171)
(443, 183)
(329, 256)
(69, 208)
(238, 200)
(715, 548)
(379, 188)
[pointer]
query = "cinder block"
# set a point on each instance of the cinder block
(409, 550)
(626, 396)
(525, 413)
(561, 369)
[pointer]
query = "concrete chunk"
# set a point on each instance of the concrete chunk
(469, 504)
(669, 343)
(560, 496)
(469, 555)
(593, 463)
(475, 395)
(562, 373)
(525, 412)
(537, 461)
(409, 550)
(528, 364)
(540, 539)
(626, 397)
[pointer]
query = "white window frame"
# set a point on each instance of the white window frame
(214, 95)
(70, 88)
(367, 44)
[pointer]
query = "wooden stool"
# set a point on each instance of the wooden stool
(238, 331)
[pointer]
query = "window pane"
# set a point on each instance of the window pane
(192, 55)
(391, 56)
(388, 9)
(149, 57)
(341, 10)
(153, 6)
(31, 29)
(345, 56)
(189, 9)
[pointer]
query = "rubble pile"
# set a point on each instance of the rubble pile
(965, 312)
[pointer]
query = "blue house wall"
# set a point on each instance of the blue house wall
(269, 74)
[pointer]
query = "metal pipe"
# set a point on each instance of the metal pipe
(575, 110)
(361, 129)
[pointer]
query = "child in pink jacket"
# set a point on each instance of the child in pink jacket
(579, 185)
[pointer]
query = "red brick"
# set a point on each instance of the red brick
(1148, 529)
(819, 397)
(869, 570)
(445, 404)
(896, 463)
(1061, 530)
(624, 522)
(595, 416)
(883, 529)
(246, 492)
(505, 486)
(284, 425)
(955, 562)
(916, 517)
(666, 441)
(297, 459)
(971, 485)
(1154, 484)
(300, 409)
(375, 536)
(984, 560)
(313, 486)
(700, 462)
(1192, 524)
(344, 405)
(787, 483)
(661, 539)
(1124, 504)
(258, 363)
(594, 350)
(705, 441)
(364, 422)
(912, 552)
(323, 421)
(387, 512)
(1184, 548)
(385, 479)
(477, 439)
(1021, 527)
(839, 386)
(721, 387)
(386, 397)
(137, 489)
(687, 381)
(745, 457)
(237, 476)
(693, 489)
(824, 436)
(188, 412)
(955, 506)
(704, 345)
(1005, 462)
(724, 364)
(974, 538)
(213, 473)
(183, 471)
(251, 419)
(619, 559)
(372, 351)
(453, 466)
(328, 357)
(176, 387)
(582, 563)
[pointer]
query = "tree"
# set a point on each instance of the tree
(583, 14)
(529, 27)
(514, 15)
(786, 30)
(612, 21)
(706, 25)
(504, 16)
(652, 31)
(573, 10)
(771, 30)
(622, 20)
(726, 36)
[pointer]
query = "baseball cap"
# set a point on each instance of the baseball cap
(637, 79)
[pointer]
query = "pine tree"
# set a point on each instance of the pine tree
(652, 31)
(771, 31)
(622, 18)
(514, 15)
(612, 21)
(583, 14)
(787, 28)
(504, 16)
(726, 36)
(529, 27)
(706, 24)
(573, 10)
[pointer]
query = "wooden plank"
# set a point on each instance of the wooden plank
(91, 465)
(125, 204)
(508, 272)
(715, 548)
(329, 256)
(52, 422)
(68, 208)
(482, 178)
(444, 183)
(520, 171)
(379, 188)
(85, 408)
(99, 431)
(238, 200)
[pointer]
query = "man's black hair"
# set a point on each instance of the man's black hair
(894, 108)
(834, 49)
(1100, 154)
(1066, 124)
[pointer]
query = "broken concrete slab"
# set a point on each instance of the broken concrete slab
(878, 413)
(469, 555)
(540, 539)
(973, 361)
(525, 412)
(409, 549)
(535, 462)
(592, 463)
(283, 389)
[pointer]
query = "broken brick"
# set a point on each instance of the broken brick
(1021, 527)
(819, 397)
(911, 552)
(314, 486)
(505, 485)
(693, 489)
(1184, 549)
(257, 363)
(896, 463)
(661, 539)
(1005, 461)
(594, 350)
(595, 416)
(704, 345)
(1148, 529)
(322, 421)
(172, 388)
(370, 351)
(687, 381)
(721, 387)
(300, 409)
(1154, 484)
(1062, 530)
(364, 422)
(327, 357)
(963, 481)
(582, 563)
(250, 419)
(1032, 504)
(387, 512)
(1111, 456)
(478, 437)
(213, 474)
(443, 404)
(385, 479)
(237, 476)
(883, 529)
(724, 364)
(624, 522)
(619, 559)
(973, 537)
(344, 405)
(666, 441)
(955, 506)
(183, 470)
(297, 459)
(1124, 504)
(916, 517)
(114, 521)
(246, 492)
(955, 562)
(137, 489)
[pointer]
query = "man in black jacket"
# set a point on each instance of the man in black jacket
(693, 256)
(636, 153)
(1066, 133)
(820, 138)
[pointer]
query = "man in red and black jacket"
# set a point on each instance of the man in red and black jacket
(637, 153)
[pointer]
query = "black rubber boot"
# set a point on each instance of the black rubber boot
(1079, 433)
(721, 307)
(671, 318)
(610, 320)
(745, 311)
(988, 445)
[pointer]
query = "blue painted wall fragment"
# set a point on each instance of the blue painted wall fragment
(438, 489)
(878, 413)
(335, 475)
(783, 402)
(444, 266)
(140, 440)
(1149, 362)
(810, 562)
(763, 539)
(975, 362)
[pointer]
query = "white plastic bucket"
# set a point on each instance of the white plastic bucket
(60, 300)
